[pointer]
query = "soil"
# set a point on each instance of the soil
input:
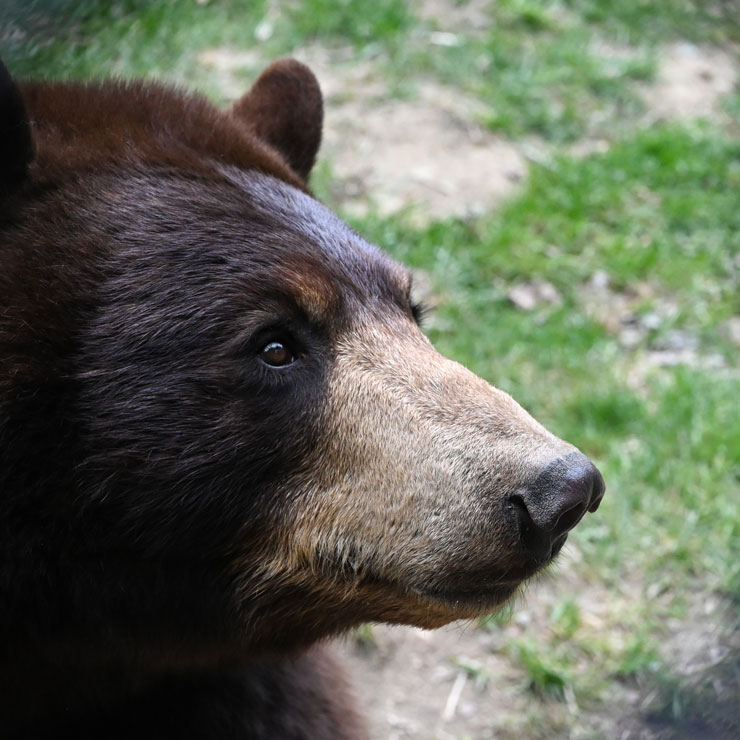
(461, 683)
(380, 148)
(419, 684)
(690, 83)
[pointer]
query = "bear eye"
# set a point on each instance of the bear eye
(277, 354)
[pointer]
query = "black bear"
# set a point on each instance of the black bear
(223, 436)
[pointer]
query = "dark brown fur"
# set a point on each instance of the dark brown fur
(179, 520)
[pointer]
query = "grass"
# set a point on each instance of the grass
(558, 69)
(655, 218)
(544, 74)
(130, 38)
(356, 21)
(162, 40)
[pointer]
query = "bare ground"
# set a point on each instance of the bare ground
(380, 148)
(429, 154)
(460, 682)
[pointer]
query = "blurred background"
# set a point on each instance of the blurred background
(564, 178)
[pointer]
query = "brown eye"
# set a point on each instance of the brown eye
(277, 354)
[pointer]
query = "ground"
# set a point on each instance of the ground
(563, 178)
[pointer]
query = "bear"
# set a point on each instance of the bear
(224, 438)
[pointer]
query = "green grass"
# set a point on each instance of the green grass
(143, 38)
(558, 69)
(646, 20)
(564, 69)
(549, 78)
(128, 38)
(657, 213)
(356, 21)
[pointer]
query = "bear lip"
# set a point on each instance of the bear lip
(483, 592)
(483, 599)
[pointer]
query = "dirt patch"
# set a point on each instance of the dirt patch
(453, 15)
(690, 82)
(419, 684)
(427, 154)
(462, 683)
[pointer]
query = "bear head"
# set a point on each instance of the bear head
(221, 429)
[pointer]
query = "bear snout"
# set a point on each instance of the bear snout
(548, 508)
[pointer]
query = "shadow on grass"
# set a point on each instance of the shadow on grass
(705, 705)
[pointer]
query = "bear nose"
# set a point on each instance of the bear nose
(550, 507)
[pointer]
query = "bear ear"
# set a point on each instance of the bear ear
(16, 145)
(284, 108)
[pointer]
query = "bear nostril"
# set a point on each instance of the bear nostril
(522, 514)
(569, 518)
(537, 542)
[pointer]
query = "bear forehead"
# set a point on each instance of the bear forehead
(170, 155)
(267, 240)
(351, 261)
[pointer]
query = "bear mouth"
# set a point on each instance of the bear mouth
(481, 599)
(459, 594)
(479, 592)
